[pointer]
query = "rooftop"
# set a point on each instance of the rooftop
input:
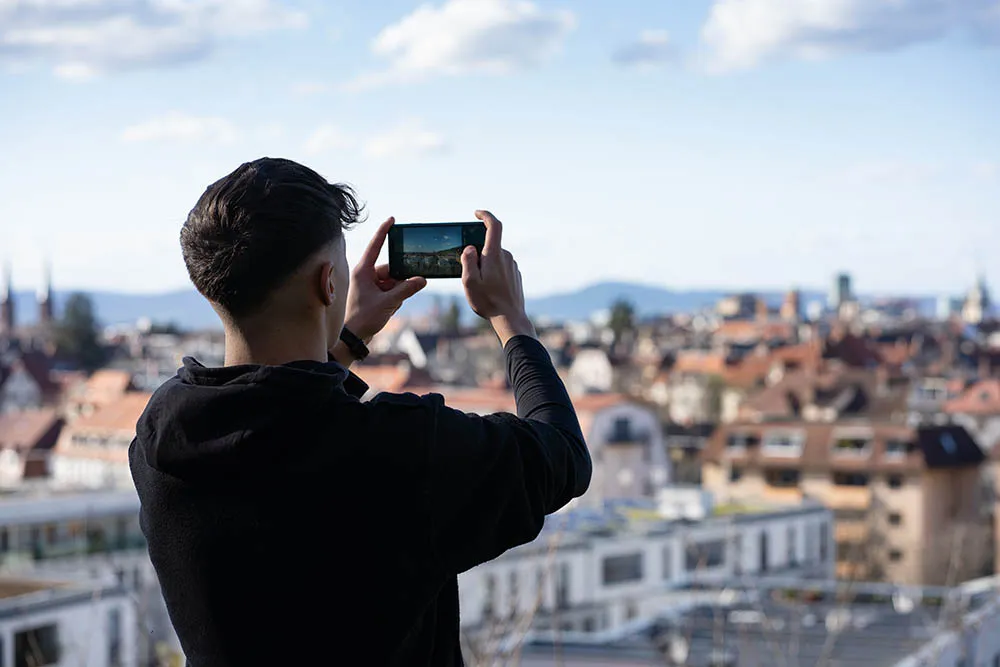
(24, 429)
(753, 626)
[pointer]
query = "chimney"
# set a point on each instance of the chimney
(7, 319)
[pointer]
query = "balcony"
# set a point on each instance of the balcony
(74, 549)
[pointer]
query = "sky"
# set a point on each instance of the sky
(431, 239)
(696, 143)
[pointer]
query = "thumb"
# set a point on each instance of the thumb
(470, 264)
(407, 288)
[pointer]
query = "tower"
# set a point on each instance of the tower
(46, 311)
(840, 291)
(7, 320)
(791, 308)
(977, 303)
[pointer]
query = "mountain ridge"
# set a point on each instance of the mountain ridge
(187, 309)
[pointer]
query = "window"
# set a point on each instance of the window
(895, 555)
(792, 538)
(114, 637)
(631, 610)
(763, 552)
(735, 474)
(850, 479)
(896, 448)
(740, 440)
(489, 596)
(782, 479)
(738, 554)
(622, 430)
(704, 555)
(824, 542)
(894, 481)
(850, 514)
(4, 541)
(37, 647)
(852, 446)
(562, 586)
(668, 562)
(895, 519)
(783, 443)
(846, 551)
(621, 569)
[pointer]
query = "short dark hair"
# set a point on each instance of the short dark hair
(252, 229)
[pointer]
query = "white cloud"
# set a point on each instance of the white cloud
(324, 139)
(740, 34)
(466, 36)
(407, 139)
(653, 47)
(176, 126)
(82, 38)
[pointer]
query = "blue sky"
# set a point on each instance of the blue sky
(705, 143)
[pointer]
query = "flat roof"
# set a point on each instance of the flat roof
(50, 505)
(21, 596)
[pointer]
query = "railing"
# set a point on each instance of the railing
(77, 548)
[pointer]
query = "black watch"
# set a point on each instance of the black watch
(355, 345)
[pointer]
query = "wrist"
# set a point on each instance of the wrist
(506, 327)
(341, 354)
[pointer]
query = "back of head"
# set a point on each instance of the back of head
(252, 229)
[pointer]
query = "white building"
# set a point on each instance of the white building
(594, 571)
(89, 538)
(64, 625)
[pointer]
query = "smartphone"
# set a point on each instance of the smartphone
(432, 249)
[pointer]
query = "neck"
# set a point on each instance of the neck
(275, 345)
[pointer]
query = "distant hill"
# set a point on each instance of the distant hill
(189, 310)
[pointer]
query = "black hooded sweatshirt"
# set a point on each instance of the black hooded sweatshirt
(290, 523)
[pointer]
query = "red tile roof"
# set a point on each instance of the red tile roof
(119, 416)
(28, 428)
(982, 398)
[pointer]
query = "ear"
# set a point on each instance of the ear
(327, 284)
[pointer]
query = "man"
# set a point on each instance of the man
(289, 522)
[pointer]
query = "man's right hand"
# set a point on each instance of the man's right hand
(492, 284)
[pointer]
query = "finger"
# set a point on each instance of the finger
(494, 230)
(371, 253)
(382, 273)
(407, 288)
(470, 266)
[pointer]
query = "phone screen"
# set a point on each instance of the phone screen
(432, 250)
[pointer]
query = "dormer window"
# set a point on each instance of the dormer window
(741, 440)
(852, 446)
(783, 443)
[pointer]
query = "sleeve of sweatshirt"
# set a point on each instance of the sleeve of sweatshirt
(494, 478)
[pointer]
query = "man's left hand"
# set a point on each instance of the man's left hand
(374, 296)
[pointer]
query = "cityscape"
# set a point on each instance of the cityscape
(757, 239)
(769, 484)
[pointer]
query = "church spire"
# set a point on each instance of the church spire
(45, 302)
(7, 320)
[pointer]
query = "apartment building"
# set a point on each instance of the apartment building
(592, 571)
(903, 498)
